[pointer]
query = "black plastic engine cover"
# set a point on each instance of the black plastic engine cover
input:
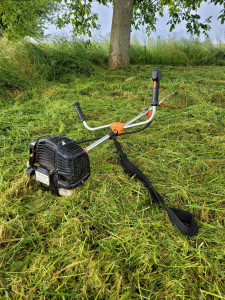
(58, 162)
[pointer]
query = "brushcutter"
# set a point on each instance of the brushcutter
(61, 164)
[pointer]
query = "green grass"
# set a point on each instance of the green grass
(108, 241)
(178, 52)
(23, 64)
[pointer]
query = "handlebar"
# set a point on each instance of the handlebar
(156, 76)
(79, 111)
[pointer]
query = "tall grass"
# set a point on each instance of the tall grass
(23, 64)
(177, 52)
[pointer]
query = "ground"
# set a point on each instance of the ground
(108, 241)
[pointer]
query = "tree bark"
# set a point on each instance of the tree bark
(120, 33)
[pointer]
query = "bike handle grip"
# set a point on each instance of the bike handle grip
(156, 76)
(79, 111)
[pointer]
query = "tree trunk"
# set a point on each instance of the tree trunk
(120, 33)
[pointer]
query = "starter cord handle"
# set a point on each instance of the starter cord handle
(181, 219)
(79, 111)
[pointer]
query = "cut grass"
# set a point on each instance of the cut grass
(108, 241)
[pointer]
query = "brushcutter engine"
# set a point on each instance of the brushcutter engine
(58, 163)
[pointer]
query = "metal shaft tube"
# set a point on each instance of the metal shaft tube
(104, 138)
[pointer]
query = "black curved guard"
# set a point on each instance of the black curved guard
(181, 219)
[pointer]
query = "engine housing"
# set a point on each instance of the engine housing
(58, 162)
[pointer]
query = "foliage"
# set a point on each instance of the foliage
(108, 241)
(27, 17)
(145, 12)
(24, 18)
(79, 13)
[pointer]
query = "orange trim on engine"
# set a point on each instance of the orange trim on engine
(117, 127)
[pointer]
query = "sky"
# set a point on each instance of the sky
(216, 34)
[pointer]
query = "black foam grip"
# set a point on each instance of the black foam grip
(79, 111)
(155, 94)
(156, 76)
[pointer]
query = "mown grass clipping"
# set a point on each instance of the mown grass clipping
(108, 240)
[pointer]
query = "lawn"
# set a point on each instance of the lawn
(108, 241)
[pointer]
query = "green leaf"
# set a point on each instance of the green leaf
(206, 224)
(105, 167)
